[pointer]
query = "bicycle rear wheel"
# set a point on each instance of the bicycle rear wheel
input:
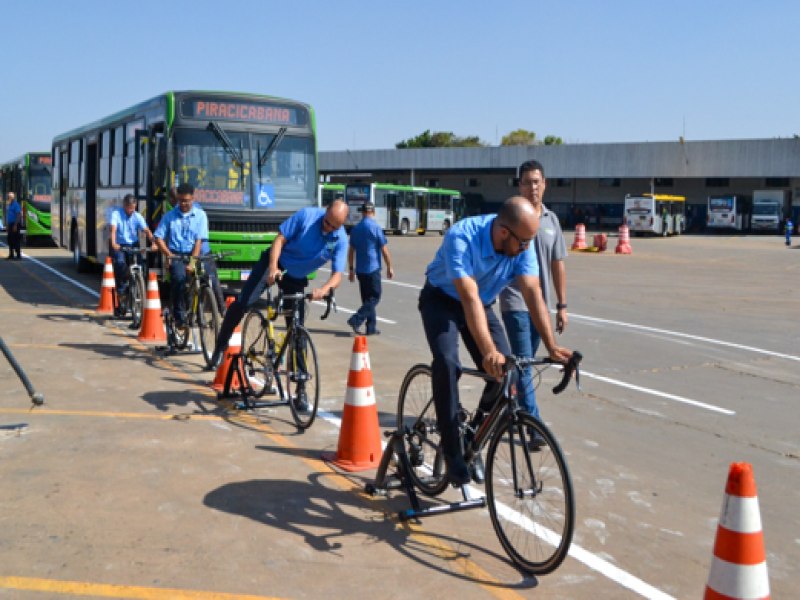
(136, 295)
(530, 495)
(255, 345)
(302, 378)
(416, 417)
(207, 322)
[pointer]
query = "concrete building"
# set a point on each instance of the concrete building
(592, 177)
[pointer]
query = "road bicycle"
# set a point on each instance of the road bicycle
(282, 364)
(132, 300)
(528, 486)
(201, 308)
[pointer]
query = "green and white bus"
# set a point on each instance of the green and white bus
(405, 208)
(252, 160)
(29, 177)
(328, 192)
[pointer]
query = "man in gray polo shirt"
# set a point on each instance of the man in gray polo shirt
(551, 250)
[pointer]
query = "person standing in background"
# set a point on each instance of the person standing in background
(14, 226)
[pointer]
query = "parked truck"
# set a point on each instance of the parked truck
(768, 208)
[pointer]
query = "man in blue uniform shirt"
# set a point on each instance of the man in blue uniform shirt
(367, 244)
(181, 233)
(307, 240)
(14, 227)
(126, 224)
(477, 259)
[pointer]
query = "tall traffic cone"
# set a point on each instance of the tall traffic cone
(234, 347)
(360, 436)
(580, 237)
(152, 330)
(624, 243)
(739, 565)
(106, 305)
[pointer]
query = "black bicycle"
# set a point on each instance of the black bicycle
(132, 300)
(268, 357)
(528, 486)
(201, 309)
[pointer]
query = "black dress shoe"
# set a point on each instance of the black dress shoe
(477, 470)
(457, 470)
(301, 403)
(535, 441)
(376, 332)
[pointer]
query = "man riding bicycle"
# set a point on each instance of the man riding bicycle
(307, 240)
(126, 224)
(181, 233)
(477, 259)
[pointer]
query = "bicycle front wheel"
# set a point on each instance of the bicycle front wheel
(255, 345)
(302, 378)
(136, 293)
(207, 322)
(416, 418)
(530, 496)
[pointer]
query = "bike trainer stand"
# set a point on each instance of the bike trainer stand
(244, 395)
(400, 479)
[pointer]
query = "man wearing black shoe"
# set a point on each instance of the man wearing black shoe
(14, 227)
(367, 245)
(477, 259)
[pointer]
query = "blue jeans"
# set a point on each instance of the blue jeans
(524, 340)
(444, 322)
(369, 285)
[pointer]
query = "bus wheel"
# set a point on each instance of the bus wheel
(404, 227)
(445, 227)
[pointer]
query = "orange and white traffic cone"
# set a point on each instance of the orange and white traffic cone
(600, 242)
(107, 290)
(360, 436)
(580, 237)
(234, 347)
(739, 565)
(152, 331)
(624, 243)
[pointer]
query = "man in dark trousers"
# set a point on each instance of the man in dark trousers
(14, 227)
(367, 244)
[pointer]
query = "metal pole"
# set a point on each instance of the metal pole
(36, 397)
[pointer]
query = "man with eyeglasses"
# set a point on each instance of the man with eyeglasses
(307, 240)
(551, 250)
(181, 233)
(477, 259)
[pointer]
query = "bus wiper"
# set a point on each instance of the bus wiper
(263, 158)
(223, 139)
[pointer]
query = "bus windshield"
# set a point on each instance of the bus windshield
(40, 185)
(720, 204)
(284, 179)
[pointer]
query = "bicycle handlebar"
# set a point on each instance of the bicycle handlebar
(330, 300)
(571, 366)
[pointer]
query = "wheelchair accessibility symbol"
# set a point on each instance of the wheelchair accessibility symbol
(266, 195)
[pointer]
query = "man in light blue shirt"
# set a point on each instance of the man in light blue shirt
(14, 227)
(126, 224)
(181, 233)
(477, 259)
(307, 240)
(367, 244)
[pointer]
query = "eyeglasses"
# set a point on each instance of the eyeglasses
(522, 243)
(328, 225)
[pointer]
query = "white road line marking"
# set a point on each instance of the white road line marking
(653, 392)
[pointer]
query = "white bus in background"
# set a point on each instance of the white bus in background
(768, 208)
(661, 214)
(405, 208)
(730, 211)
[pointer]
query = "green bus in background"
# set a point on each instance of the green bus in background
(29, 177)
(328, 192)
(251, 158)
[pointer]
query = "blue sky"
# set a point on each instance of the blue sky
(379, 72)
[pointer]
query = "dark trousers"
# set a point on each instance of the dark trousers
(369, 285)
(14, 241)
(177, 289)
(253, 288)
(120, 261)
(444, 321)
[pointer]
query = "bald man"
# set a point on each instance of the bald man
(307, 240)
(477, 259)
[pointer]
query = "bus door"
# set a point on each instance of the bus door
(62, 195)
(392, 212)
(91, 199)
(422, 213)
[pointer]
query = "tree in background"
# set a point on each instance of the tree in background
(440, 139)
(519, 137)
(552, 140)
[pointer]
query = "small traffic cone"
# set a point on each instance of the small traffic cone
(600, 242)
(107, 290)
(739, 565)
(580, 237)
(360, 436)
(234, 347)
(624, 243)
(152, 330)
